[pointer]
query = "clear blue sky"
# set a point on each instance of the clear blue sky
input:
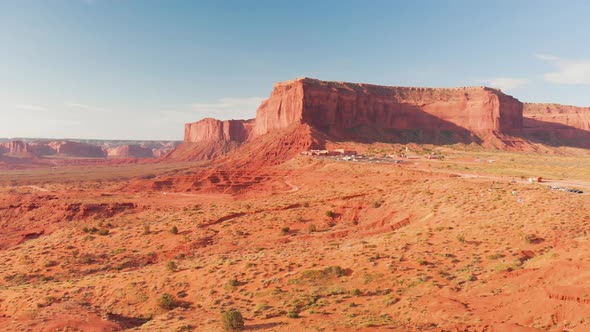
(139, 69)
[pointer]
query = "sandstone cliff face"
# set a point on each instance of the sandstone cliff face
(576, 117)
(331, 106)
(42, 148)
(216, 130)
(130, 151)
(558, 124)
(358, 111)
(283, 108)
(75, 149)
(16, 147)
(211, 138)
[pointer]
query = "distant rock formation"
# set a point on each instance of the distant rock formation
(17, 147)
(209, 129)
(210, 138)
(130, 151)
(556, 124)
(76, 149)
(573, 116)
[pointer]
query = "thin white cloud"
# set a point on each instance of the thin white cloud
(546, 57)
(505, 83)
(83, 106)
(26, 107)
(229, 106)
(573, 72)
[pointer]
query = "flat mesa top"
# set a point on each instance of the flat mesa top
(384, 90)
(352, 85)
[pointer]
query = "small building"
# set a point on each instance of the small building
(316, 153)
(536, 179)
(345, 152)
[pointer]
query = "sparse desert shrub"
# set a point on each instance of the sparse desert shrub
(232, 320)
(335, 271)
(174, 230)
(285, 230)
(51, 264)
(530, 238)
(461, 238)
(311, 228)
(293, 314)
(183, 328)
(377, 204)
(355, 292)
(146, 230)
(329, 272)
(330, 214)
(103, 232)
(90, 230)
(422, 262)
(167, 301)
(495, 256)
(171, 266)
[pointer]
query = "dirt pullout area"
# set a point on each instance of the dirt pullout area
(308, 245)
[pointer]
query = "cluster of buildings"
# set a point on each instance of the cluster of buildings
(337, 152)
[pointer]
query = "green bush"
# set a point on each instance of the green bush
(293, 314)
(329, 272)
(167, 301)
(171, 266)
(174, 230)
(232, 320)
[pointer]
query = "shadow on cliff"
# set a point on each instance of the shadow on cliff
(555, 134)
(412, 126)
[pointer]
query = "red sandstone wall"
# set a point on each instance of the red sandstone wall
(283, 108)
(75, 149)
(336, 105)
(130, 151)
(216, 130)
(572, 116)
(16, 147)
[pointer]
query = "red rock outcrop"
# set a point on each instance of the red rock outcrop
(209, 129)
(333, 106)
(362, 111)
(210, 138)
(18, 149)
(558, 124)
(573, 116)
(42, 148)
(130, 151)
(76, 149)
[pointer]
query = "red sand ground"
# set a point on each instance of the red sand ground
(459, 244)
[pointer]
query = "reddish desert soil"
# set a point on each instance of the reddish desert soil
(458, 244)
